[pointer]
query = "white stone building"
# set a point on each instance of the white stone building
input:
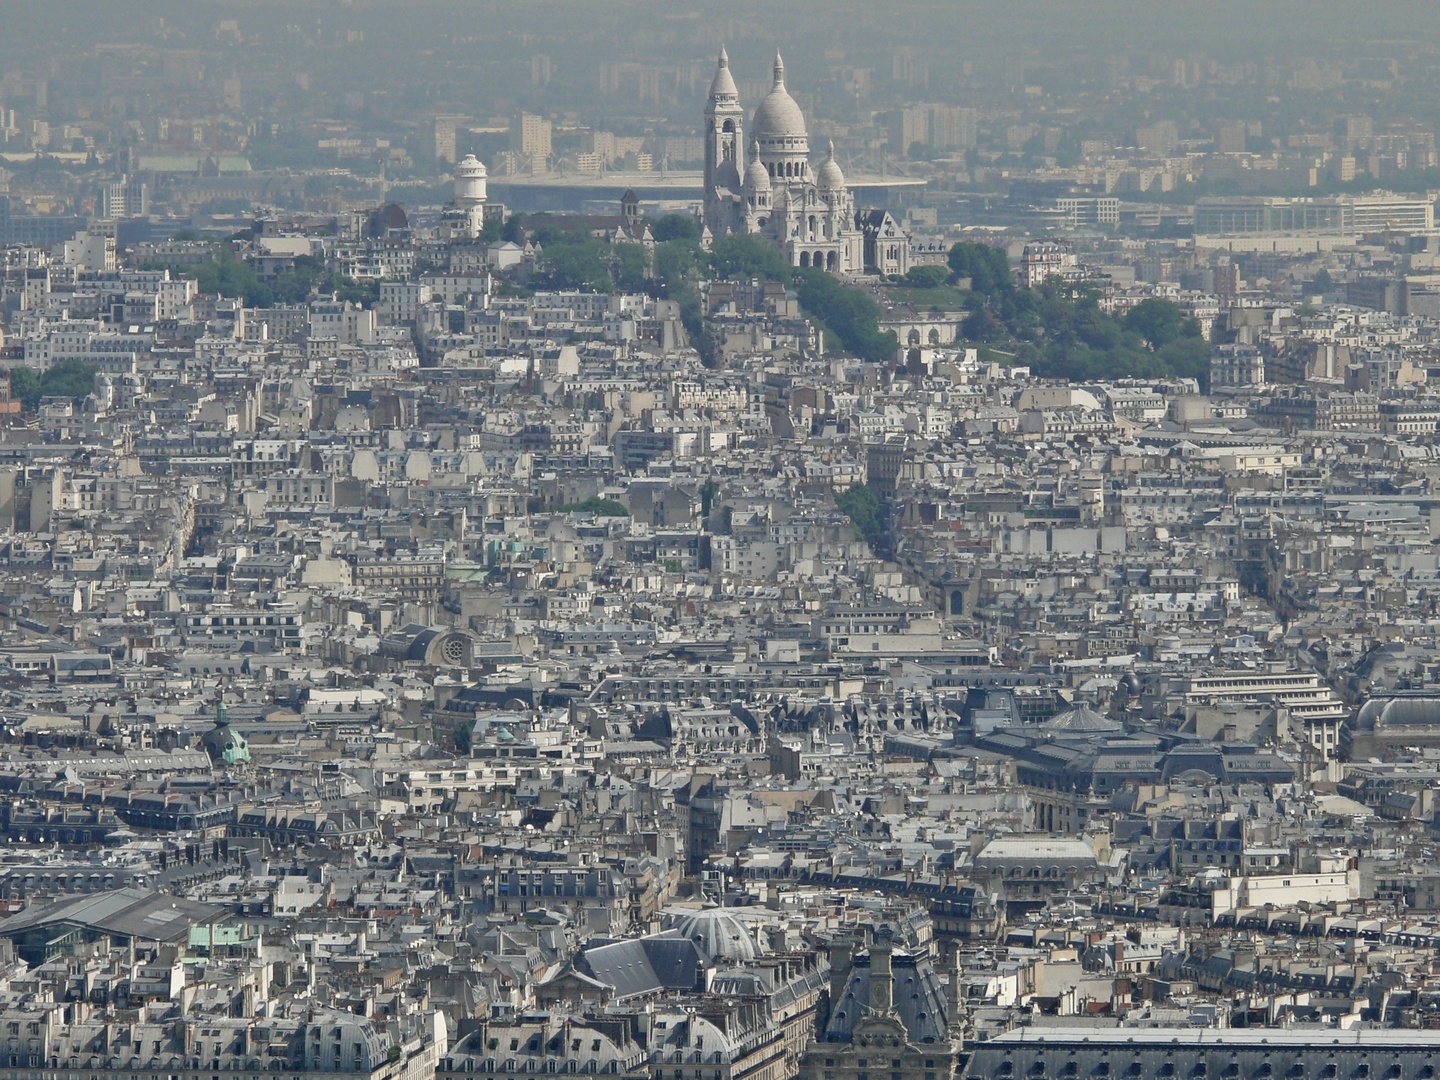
(809, 215)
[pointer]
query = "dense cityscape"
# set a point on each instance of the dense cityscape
(719, 542)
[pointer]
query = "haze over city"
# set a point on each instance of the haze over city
(752, 541)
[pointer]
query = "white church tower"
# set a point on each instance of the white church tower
(724, 149)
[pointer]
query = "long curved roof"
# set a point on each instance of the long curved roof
(1392, 712)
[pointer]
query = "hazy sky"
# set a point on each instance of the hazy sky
(1222, 26)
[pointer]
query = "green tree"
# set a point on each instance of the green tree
(295, 285)
(597, 506)
(861, 505)
(462, 734)
(677, 261)
(741, 256)
(926, 277)
(983, 326)
(545, 230)
(225, 275)
(676, 227)
(1189, 357)
(25, 388)
(987, 268)
(849, 312)
(1061, 332)
(1157, 320)
(364, 293)
(631, 264)
(578, 264)
(64, 379)
(68, 378)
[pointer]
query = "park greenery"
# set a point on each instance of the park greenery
(849, 313)
(225, 275)
(1060, 330)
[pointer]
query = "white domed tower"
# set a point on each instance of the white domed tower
(779, 131)
(724, 148)
(470, 178)
(756, 191)
(830, 179)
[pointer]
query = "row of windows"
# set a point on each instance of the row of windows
(549, 1065)
(243, 620)
(1231, 1071)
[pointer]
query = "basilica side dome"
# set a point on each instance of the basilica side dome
(830, 178)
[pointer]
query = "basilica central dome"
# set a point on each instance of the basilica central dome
(778, 117)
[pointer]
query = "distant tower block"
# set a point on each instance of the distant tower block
(470, 177)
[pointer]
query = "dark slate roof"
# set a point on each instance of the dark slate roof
(130, 912)
(919, 999)
(644, 965)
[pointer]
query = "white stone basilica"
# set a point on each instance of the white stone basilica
(809, 215)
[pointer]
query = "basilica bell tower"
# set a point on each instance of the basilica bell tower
(724, 146)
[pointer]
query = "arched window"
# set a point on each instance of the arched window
(830, 261)
(804, 258)
(729, 126)
(914, 337)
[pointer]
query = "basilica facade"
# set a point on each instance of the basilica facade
(808, 214)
